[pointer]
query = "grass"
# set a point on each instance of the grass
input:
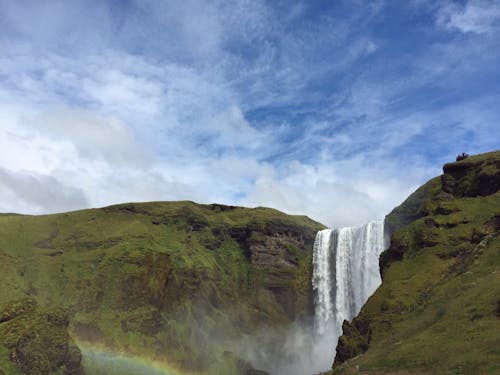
(161, 279)
(437, 310)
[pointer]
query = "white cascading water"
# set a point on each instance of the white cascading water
(345, 274)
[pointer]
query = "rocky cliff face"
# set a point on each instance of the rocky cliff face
(437, 308)
(472, 177)
(172, 282)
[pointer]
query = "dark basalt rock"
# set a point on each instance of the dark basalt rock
(355, 339)
(399, 244)
(221, 207)
(472, 176)
(493, 225)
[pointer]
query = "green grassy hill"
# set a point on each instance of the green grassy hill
(438, 309)
(173, 283)
(174, 287)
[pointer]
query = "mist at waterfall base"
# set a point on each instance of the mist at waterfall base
(345, 274)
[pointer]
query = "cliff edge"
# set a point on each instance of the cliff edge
(438, 308)
(174, 283)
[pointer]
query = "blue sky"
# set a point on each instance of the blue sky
(334, 109)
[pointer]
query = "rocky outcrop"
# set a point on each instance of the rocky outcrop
(413, 208)
(37, 339)
(354, 341)
(279, 258)
(471, 177)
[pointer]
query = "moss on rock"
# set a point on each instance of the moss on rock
(172, 281)
(37, 341)
(474, 176)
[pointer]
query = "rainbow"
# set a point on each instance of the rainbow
(98, 360)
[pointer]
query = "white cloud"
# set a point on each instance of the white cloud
(69, 159)
(197, 144)
(74, 159)
(476, 16)
(114, 90)
(163, 110)
(94, 137)
(336, 192)
(34, 193)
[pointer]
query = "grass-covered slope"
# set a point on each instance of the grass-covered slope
(173, 282)
(438, 308)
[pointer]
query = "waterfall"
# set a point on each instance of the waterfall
(345, 275)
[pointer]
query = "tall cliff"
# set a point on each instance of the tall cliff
(438, 308)
(169, 282)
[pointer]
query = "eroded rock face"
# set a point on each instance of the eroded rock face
(354, 341)
(38, 340)
(275, 252)
(471, 177)
(174, 281)
(414, 207)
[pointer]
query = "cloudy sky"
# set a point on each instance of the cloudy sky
(334, 109)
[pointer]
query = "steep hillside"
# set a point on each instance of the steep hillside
(438, 309)
(174, 284)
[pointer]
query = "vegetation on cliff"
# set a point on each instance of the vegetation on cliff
(438, 308)
(169, 281)
(36, 340)
(184, 284)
